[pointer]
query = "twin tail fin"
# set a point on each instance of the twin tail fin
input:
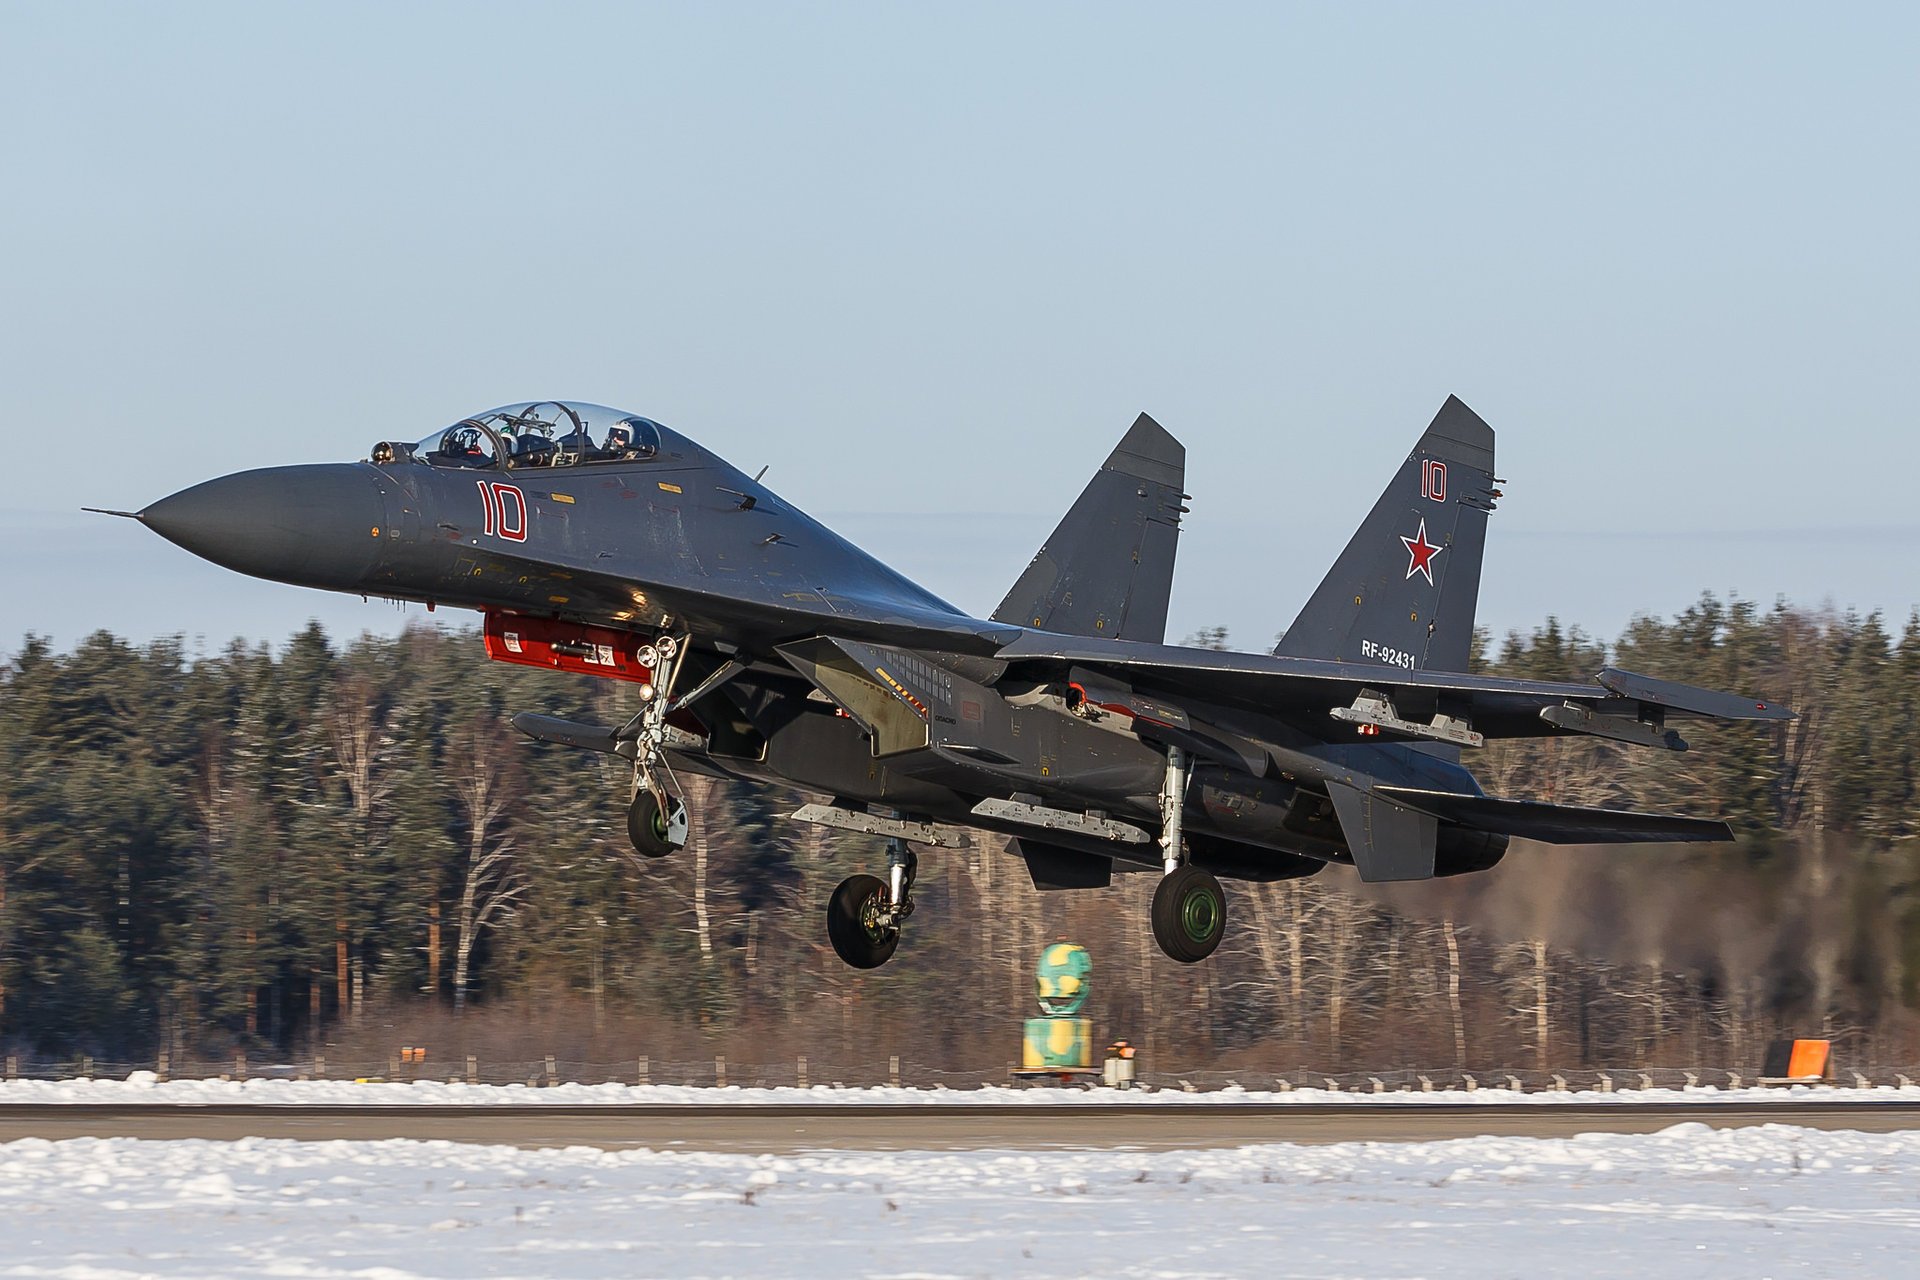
(1107, 568)
(1404, 591)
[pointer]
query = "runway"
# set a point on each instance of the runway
(783, 1129)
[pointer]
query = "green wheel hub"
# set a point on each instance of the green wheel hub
(1189, 913)
(651, 826)
(1199, 915)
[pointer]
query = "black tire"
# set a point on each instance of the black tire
(852, 926)
(647, 826)
(1189, 914)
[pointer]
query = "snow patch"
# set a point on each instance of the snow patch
(1687, 1201)
(145, 1087)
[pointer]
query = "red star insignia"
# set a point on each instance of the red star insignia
(1420, 553)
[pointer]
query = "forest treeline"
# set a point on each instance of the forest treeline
(344, 846)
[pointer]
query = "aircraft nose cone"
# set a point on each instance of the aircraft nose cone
(315, 526)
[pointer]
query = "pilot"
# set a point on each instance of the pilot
(619, 440)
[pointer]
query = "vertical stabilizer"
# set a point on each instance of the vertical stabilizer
(1404, 590)
(1107, 569)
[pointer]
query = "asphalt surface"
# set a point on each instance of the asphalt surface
(784, 1129)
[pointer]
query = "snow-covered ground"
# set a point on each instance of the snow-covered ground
(1689, 1201)
(144, 1087)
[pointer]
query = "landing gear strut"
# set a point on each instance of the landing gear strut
(1189, 908)
(865, 913)
(656, 821)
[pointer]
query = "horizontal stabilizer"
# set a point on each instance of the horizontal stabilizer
(1556, 823)
(1389, 841)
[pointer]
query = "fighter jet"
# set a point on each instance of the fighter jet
(764, 647)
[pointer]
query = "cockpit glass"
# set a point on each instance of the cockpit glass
(543, 433)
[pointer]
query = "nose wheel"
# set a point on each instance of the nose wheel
(656, 825)
(857, 923)
(656, 821)
(865, 913)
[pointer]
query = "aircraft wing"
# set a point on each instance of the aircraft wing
(1347, 701)
(738, 608)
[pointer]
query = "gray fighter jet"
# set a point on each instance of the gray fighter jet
(762, 646)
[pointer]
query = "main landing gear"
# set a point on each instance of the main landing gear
(1189, 907)
(865, 913)
(656, 821)
(1189, 913)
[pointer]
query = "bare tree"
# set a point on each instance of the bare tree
(1453, 993)
(357, 733)
(700, 794)
(491, 883)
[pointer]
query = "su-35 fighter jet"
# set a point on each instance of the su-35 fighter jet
(765, 647)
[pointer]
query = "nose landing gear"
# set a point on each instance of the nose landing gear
(656, 821)
(865, 913)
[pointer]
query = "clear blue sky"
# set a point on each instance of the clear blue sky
(928, 261)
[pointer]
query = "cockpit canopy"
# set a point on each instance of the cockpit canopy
(535, 433)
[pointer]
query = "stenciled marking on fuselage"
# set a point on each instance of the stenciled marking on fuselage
(497, 500)
(1386, 653)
